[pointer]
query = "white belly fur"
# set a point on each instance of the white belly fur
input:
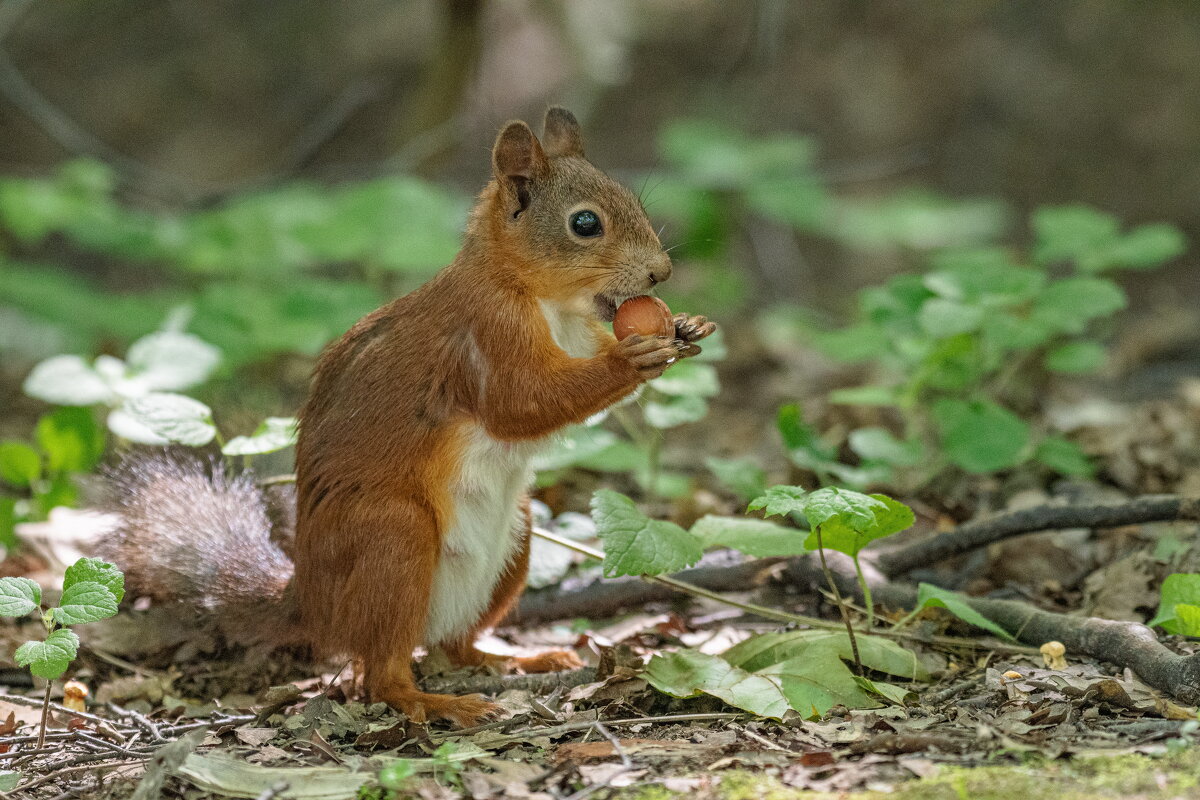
(487, 525)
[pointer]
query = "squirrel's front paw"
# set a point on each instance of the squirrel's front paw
(690, 329)
(649, 355)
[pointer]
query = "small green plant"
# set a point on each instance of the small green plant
(92, 590)
(1179, 605)
(957, 348)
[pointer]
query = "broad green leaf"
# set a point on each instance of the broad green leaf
(941, 317)
(275, 433)
(71, 439)
(688, 378)
(1076, 357)
(817, 682)
(9, 779)
(889, 691)
(50, 658)
(878, 444)
(754, 537)
(20, 464)
(173, 417)
(687, 673)
(1069, 304)
(19, 596)
(713, 348)
(1063, 456)
(96, 571)
(980, 436)
(85, 601)
(1148, 246)
(1178, 589)
(634, 544)
(577, 443)
(673, 411)
(986, 277)
(1187, 619)
(849, 521)
(742, 476)
(1072, 233)
(67, 381)
(171, 361)
(930, 596)
(780, 500)
(875, 652)
(864, 396)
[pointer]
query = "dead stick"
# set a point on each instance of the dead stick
(973, 535)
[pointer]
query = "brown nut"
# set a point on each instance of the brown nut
(644, 315)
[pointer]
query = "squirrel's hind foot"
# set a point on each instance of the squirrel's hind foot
(549, 661)
(463, 711)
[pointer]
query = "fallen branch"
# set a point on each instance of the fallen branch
(541, 683)
(973, 535)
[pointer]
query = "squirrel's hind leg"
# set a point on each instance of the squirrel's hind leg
(463, 652)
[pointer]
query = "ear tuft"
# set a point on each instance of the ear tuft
(562, 134)
(517, 154)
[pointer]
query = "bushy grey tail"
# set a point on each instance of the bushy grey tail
(192, 535)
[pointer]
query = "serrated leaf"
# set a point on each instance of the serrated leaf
(687, 673)
(50, 658)
(274, 434)
(980, 436)
(85, 601)
(171, 361)
(780, 501)
(930, 596)
(173, 417)
(20, 464)
(1178, 589)
(19, 596)
(754, 537)
(634, 544)
(67, 381)
(849, 521)
(742, 476)
(97, 571)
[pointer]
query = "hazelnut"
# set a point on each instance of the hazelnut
(643, 315)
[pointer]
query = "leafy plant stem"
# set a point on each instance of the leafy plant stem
(41, 740)
(866, 590)
(837, 595)
(653, 466)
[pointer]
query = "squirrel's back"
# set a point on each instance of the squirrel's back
(191, 534)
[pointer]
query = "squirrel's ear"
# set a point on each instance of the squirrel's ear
(517, 158)
(562, 134)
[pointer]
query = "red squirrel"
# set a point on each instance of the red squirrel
(411, 513)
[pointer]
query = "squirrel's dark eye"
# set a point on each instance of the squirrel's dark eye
(586, 224)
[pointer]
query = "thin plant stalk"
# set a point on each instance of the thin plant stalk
(841, 604)
(866, 590)
(41, 740)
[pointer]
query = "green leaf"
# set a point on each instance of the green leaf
(878, 444)
(637, 545)
(713, 348)
(161, 417)
(19, 596)
(941, 317)
(99, 571)
(1076, 357)
(687, 673)
(673, 411)
(780, 500)
(1072, 233)
(930, 596)
(49, 659)
(67, 381)
(1148, 246)
(1069, 304)
(1179, 590)
(864, 396)
(71, 439)
(396, 775)
(85, 601)
(849, 521)
(575, 445)
(170, 361)
(754, 537)
(1064, 457)
(688, 378)
(742, 476)
(816, 683)
(980, 436)
(9, 779)
(273, 434)
(876, 653)
(20, 464)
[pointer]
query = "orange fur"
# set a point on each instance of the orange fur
(395, 403)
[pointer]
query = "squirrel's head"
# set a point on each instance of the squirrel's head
(578, 235)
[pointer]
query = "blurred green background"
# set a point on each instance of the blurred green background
(265, 173)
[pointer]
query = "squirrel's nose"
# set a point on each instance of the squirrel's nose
(660, 274)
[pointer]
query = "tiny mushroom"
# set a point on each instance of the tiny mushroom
(1052, 654)
(75, 695)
